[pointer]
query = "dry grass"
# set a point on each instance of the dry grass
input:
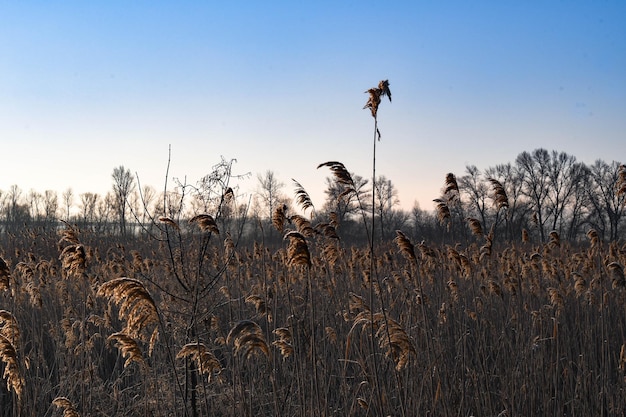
(464, 328)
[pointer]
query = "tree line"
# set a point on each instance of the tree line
(541, 192)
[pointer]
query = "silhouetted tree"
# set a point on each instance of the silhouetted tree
(386, 198)
(68, 200)
(608, 207)
(123, 185)
(535, 167)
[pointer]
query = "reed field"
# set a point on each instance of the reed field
(186, 317)
(191, 324)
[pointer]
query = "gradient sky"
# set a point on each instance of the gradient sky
(88, 86)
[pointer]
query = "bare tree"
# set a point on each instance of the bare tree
(608, 205)
(564, 173)
(68, 200)
(512, 180)
(123, 185)
(14, 197)
(51, 205)
(536, 168)
(386, 198)
(105, 208)
(477, 193)
(346, 205)
(88, 203)
(270, 192)
(35, 204)
(580, 202)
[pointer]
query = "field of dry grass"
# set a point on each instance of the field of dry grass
(185, 319)
(191, 324)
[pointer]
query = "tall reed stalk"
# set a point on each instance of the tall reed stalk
(375, 95)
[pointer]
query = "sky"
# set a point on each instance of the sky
(279, 85)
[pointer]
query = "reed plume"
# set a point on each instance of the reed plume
(475, 226)
(443, 211)
(206, 223)
(451, 190)
(12, 374)
(621, 181)
(279, 217)
(500, 198)
(580, 284)
(406, 247)
(205, 360)
(169, 221)
(617, 275)
(375, 95)
(129, 348)
(5, 275)
(228, 195)
(328, 230)
(9, 327)
(298, 250)
(73, 260)
(69, 235)
(485, 250)
(341, 174)
(247, 338)
(593, 237)
(68, 407)
(391, 336)
(284, 342)
(303, 226)
(302, 198)
(260, 306)
(136, 304)
(555, 240)
(394, 340)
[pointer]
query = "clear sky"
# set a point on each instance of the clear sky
(279, 85)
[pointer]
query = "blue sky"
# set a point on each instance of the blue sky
(88, 86)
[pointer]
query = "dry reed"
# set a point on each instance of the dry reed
(68, 407)
(247, 338)
(205, 360)
(5, 275)
(136, 305)
(206, 223)
(12, 374)
(500, 198)
(129, 348)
